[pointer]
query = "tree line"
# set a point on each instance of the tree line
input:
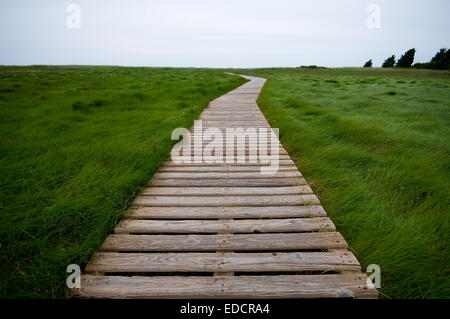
(441, 61)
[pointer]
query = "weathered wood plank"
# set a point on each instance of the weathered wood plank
(230, 160)
(223, 262)
(211, 201)
(284, 286)
(281, 163)
(233, 152)
(242, 182)
(220, 169)
(224, 128)
(225, 212)
(229, 117)
(225, 242)
(235, 122)
(221, 226)
(203, 143)
(212, 175)
(230, 191)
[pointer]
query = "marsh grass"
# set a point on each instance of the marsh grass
(77, 144)
(375, 149)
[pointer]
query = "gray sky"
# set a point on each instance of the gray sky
(223, 33)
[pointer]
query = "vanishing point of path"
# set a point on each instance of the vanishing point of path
(226, 230)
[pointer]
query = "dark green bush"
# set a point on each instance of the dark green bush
(389, 62)
(407, 59)
(368, 64)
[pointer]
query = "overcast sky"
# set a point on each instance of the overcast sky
(220, 33)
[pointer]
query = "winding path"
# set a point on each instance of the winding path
(226, 230)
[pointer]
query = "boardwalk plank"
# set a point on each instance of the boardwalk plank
(206, 165)
(214, 191)
(223, 262)
(208, 175)
(284, 286)
(212, 201)
(221, 226)
(219, 169)
(240, 182)
(235, 242)
(225, 212)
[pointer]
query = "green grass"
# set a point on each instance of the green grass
(77, 144)
(374, 145)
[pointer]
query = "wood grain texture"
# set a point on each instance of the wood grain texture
(214, 201)
(217, 175)
(284, 286)
(225, 212)
(235, 242)
(229, 191)
(230, 182)
(220, 169)
(223, 262)
(220, 226)
(280, 163)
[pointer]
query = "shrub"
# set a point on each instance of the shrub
(312, 67)
(441, 61)
(368, 64)
(389, 62)
(407, 59)
(422, 65)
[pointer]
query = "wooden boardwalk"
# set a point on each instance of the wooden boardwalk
(226, 230)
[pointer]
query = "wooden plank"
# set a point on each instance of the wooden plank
(230, 191)
(233, 122)
(211, 201)
(243, 109)
(242, 182)
(281, 163)
(225, 242)
(202, 141)
(244, 114)
(225, 212)
(225, 226)
(223, 128)
(233, 160)
(202, 144)
(232, 152)
(219, 169)
(284, 286)
(201, 137)
(223, 262)
(229, 117)
(235, 175)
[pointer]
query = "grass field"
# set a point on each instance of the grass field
(76, 145)
(374, 145)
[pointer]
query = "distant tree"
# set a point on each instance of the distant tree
(441, 61)
(407, 59)
(368, 64)
(389, 62)
(422, 65)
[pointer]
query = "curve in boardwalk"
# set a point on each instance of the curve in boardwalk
(226, 231)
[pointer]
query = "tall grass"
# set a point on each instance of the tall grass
(374, 145)
(77, 143)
